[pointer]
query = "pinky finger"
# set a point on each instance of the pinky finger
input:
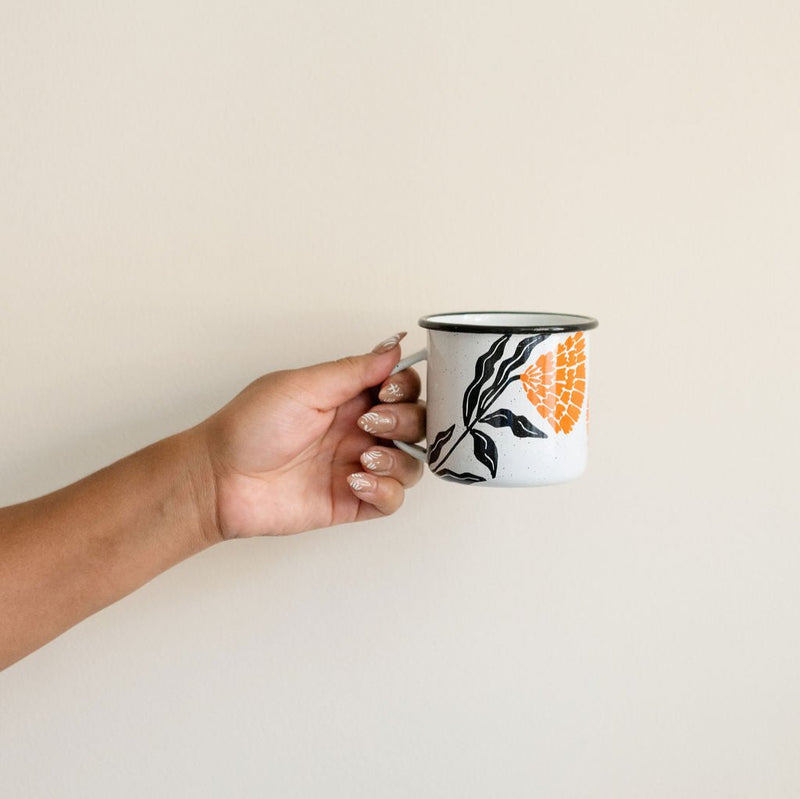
(380, 496)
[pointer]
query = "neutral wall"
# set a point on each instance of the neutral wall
(192, 194)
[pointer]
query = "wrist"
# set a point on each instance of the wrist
(200, 482)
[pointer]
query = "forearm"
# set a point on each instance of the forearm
(68, 554)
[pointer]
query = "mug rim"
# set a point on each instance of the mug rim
(507, 322)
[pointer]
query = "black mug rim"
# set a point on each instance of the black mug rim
(565, 324)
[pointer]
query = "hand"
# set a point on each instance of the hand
(298, 450)
(283, 456)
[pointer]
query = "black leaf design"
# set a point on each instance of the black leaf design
(464, 477)
(484, 367)
(520, 426)
(508, 366)
(485, 450)
(435, 449)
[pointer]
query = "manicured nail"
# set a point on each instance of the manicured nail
(389, 343)
(391, 392)
(375, 423)
(361, 482)
(375, 460)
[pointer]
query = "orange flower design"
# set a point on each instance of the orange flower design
(556, 383)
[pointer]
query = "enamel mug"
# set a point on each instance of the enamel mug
(508, 401)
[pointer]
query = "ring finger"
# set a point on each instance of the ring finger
(387, 462)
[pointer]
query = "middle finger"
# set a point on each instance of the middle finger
(404, 421)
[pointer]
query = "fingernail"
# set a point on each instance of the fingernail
(391, 392)
(361, 482)
(374, 422)
(375, 460)
(389, 343)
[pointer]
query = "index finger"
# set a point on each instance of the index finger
(402, 387)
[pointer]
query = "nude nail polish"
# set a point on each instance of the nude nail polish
(375, 423)
(389, 343)
(361, 482)
(391, 392)
(375, 460)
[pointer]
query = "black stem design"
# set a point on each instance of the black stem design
(450, 451)
(479, 412)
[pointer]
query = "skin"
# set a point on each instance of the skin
(274, 461)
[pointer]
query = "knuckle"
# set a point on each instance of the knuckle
(350, 362)
(416, 474)
(398, 498)
(392, 494)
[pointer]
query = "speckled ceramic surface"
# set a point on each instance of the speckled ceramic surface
(507, 397)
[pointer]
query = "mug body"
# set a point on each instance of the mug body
(507, 397)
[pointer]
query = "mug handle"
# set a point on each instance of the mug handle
(414, 450)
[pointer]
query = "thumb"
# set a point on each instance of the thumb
(335, 382)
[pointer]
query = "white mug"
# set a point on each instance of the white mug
(508, 397)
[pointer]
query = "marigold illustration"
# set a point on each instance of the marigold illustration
(556, 383)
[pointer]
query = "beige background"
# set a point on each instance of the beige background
(195, 193)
